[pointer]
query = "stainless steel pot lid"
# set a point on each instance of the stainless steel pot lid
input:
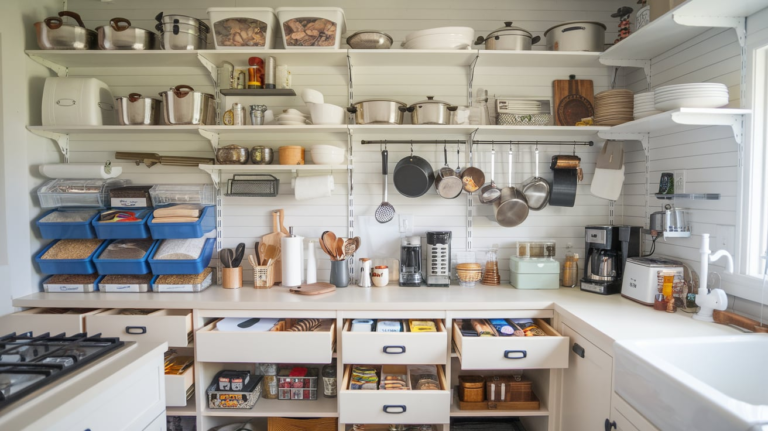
(431, 100)
(574, 23)
(509, 30)
(372, 32)
(380, 100)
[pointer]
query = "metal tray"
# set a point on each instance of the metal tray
(74, 288)
(182, 287)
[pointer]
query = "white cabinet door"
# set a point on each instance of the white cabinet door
(625, 418)
(587, 390)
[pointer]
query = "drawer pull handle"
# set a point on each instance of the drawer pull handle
(609, 425)
(397, 410)
(135, 330)
(394, 350)
(519, 354)
(577, 349)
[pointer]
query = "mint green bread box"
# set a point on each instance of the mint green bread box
(534, 273)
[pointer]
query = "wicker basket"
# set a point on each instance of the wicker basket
(264, 277)
(523, 120)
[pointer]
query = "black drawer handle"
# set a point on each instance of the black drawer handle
(398, 410)
(609, 425)
(577, 349)
(396, 350)
(519, 354)
(135, 330)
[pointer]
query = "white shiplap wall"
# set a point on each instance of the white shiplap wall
(247, 219)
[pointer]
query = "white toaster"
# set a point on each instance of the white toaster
(642, 279)
(77, 102)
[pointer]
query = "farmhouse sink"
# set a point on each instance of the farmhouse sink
(704, 383)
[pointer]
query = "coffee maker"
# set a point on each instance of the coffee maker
(608, 248)
(410, 261)
(438, 259)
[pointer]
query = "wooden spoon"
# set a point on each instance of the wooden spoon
(349, 248)
(357, 242)
(339, 248)
(322, 244)
(330, 243)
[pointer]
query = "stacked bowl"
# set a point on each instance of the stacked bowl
(468, 274)
(644, 105)
(292, 117)
(440, 38)
(703, 95)
(614, 107)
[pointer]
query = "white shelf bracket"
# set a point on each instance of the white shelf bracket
(212, 137)
(61, 139)
(60, 70)
(471, 79)
(737, 23)
(642, 64)
(738, 129)
(642, 137)
(735, 121)
(350, 86)
(215, 176)
(212, 69)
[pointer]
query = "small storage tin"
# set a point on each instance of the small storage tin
(122, 288)
(198, 229)
(170, 267)
(131, 197)
(181, 287)
(65, 287)
(472, 389)
(244, 399)
(68, 266)
(507, 389)
(124, 266)
(124, 229)
(67, 230)
(534, 273)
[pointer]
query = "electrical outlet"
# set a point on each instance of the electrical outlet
(724, 239)
(406, 224)
(679, 181)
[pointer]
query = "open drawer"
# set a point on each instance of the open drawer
(395, 347)
(499, 353)
(171, 326)
(314, 347)
(177, 387)
(394, 407)
(54, 320)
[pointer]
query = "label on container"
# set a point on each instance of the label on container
(129, 202)
(123, 287)
(64, 287)
(329, 386)
(176, 287)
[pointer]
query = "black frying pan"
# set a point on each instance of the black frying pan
(413, 176)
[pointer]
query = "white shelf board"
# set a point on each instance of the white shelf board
(384, 130)
(95, 58)
(565, 132)
(291, 57)
(188, 410)
(484, 132)
(272, 168)
(245, 130)
(320, 408)
(679, 25)
(92, 130)
(538, 59)
(411, 57)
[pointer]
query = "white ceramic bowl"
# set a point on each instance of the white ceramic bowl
(692, 102)
(438, 42)
(286, 117)
(325, 113)
(312, 96)
(468, 33)
(291, 123)
(327, 155)
(291, 111)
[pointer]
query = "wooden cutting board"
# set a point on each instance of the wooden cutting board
(278, 232)
(313, 289)
(574, 99)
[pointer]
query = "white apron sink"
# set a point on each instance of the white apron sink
(704, 384)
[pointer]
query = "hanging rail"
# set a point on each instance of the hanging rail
(444, 142)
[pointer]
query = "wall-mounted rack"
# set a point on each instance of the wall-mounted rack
(258, 92)
(453, 142)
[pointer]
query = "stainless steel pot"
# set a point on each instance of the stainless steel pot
(136, 110)
(369, 39)
(511, 209)
(52, 33)
(180, 37)
(509, 38)
(183, 105)
(576, 36)
(232, 155)
(657, 223)
(261, 155)
(378, 111)
(430, 111)
(119, 35)
(161, 18)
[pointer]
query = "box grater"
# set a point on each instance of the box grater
(438, 259)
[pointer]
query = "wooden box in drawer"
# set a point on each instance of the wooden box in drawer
(395, 347)
(394, 407)
(54, 320)
(499, 353)
(177, 386)
(171, 326)
(313, 347)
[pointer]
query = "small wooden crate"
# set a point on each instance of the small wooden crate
(472, 389)
(291, 424)
(534, 404)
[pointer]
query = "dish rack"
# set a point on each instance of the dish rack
(253, 185)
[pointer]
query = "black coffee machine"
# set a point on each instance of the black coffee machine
(608, 248)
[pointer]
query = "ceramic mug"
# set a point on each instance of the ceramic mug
(380, 276)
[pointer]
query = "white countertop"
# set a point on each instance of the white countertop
(616, 317)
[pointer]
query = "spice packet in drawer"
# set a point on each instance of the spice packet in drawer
(422, 326)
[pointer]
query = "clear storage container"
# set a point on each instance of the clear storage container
(67, 224)
(536, 248)
(164, 194)
(311, 27)
(243, 27)
(89, 193)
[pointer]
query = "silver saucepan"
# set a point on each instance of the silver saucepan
(378, 111)
(508, 38)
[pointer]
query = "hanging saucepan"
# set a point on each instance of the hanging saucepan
(413, 176)
(490, 193)
(566, 175)
(512, 207)
(472, 177)
(536, 189)
(508, 38)
(447, 182)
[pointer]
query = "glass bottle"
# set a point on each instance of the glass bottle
(329, 380)
(570, 268)
(491, 275)
(269, 384)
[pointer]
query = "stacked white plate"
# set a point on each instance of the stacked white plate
(440, 38)
(292, 117)
(614, 107)
(522, 107)
(644, 105)
(703, 95)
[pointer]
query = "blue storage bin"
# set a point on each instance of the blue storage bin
(123, 229)
(198, 229)
(68, 266)
(66, 230)
(170, 267)
(124, 266)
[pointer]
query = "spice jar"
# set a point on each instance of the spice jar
(329, 380)
(269, 383)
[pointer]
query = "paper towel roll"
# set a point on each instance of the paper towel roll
(313, 187)
(311, 264)
(292, 255)
(80, 170)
